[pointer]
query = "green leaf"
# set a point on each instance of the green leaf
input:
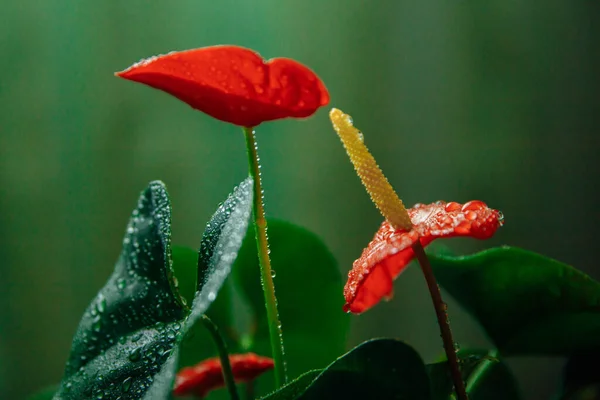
(581, 376)
(377, 369)
(486, 377)
(295, 388)
(527, 303)
(198, 344)
(126, 345)
(309, 292)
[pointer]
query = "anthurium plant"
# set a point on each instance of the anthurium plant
(164, 325)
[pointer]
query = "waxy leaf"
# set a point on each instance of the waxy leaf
(527, 303)
(581, 376)
(234, 84)
(377, 369)
(486, 377)
(198, 344)
(295, 388)
(126, 345)
(308, 283)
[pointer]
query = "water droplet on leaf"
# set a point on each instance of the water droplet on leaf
(127, 384)
(135, 355)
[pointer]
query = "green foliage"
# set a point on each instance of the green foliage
(126, 345)
(486, 377)
(527, 303)
(376, 369)
(309, 293)
(140, 328)
(581, 377)
(198, 344)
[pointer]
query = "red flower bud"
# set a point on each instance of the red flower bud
(208, 375)
(234, 84)
(390, 251)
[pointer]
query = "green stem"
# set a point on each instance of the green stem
(481, 370)
(223, 355)
(262, 242)
(442, 317)
(250, 390)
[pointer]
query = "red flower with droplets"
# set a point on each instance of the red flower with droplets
(234, 84)
(390, 251)
(208, 375)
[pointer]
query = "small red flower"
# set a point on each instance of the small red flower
(234, 84)
(208, 375)
(390, 251)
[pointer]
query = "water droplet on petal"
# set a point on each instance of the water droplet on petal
(500, 218)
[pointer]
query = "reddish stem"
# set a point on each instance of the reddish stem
(442, 317)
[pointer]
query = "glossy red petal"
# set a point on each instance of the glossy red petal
(207, 375)
(390, 251)
(234, 84)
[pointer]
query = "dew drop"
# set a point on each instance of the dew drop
(97, 325)
(212, 296)
(500, 218)
(471, 215)
(135, 355)
(127, 384)
(101, 306)
(121, 283)
(273, 273)
(456, 347)
(361, 137)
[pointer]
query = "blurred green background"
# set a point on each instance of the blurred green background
(494, 100)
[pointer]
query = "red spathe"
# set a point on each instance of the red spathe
(390, 251)
(234, 84)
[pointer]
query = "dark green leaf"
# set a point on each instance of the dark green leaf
(582, 377)
(527, 303)
(485, 376)
(126, 345)
(378, 369)
(296, 387)
(309, 291)
(589, 392)
(185, 267)
(198, 345)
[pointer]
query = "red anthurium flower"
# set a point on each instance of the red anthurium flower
(388, 254)
(207, 375)
(390, 251)
(234, 84)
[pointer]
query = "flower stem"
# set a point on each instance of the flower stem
(249, 390)
(223, 355)
(262, 242)
(442, 317)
